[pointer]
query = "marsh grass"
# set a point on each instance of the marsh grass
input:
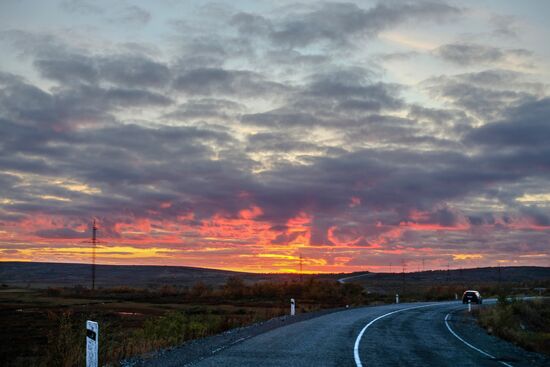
(525, 323)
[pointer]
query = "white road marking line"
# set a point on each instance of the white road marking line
(228, 345)
(358, 340)
(470, 345)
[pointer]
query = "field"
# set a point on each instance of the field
(45, 327)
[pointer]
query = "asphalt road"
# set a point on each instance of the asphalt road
(415, 334)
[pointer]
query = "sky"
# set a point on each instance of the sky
(243, 135)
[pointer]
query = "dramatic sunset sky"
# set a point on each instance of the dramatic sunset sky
(364, 135)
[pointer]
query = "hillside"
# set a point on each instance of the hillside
(517, 276)
(42, 275)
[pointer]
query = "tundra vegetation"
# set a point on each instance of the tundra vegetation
(45, 327)
(523, 322)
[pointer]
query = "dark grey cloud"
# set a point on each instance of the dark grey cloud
(216, 81)
(61, 233)
(134, 70)
(203, 51)
(527, 126)
(131, 66)
(282, 118)
(278, 142)
(68, 69)
(124, 70)
(486, 94)
(476, 54)
(336, 98)
(397, 56)
(295, 59)
(338, 22)
(251, 24)
(71, 106)
(537, 215)
(81, 7)
(206, 108)
(133, 15)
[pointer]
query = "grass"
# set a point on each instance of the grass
(525, 323)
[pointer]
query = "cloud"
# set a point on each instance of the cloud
(251, 24)
(125, 70)
(133, 70)
(339, 22)
(475, 54)
(527, 126)
(485, 94)
(133, 15)
(216, 81)
(61, 233)
(268, 134)
(81, 7)
(206, 108)
(66, 70)
(334, 99)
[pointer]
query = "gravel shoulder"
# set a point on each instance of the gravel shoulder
(465, 325)
(196, 350)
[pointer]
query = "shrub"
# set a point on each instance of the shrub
(526, 323)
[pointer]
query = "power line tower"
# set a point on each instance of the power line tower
(301, 267)
(94, 243)
(403, 267)
(499, 278)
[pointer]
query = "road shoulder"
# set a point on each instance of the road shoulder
(194, 351)
(465, 325)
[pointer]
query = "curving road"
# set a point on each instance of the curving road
(419, 334)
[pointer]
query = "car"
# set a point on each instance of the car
(472, 296)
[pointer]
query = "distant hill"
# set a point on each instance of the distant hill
(382, 282)
(504, 273)
(42, 275)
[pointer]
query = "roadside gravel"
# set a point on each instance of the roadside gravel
(196, 350)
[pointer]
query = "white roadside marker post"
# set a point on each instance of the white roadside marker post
(92, 334)
(456, 296)
(396, 298)
(469, 306)
(292, 307)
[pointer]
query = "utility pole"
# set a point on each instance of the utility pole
(403, 275)
(94, 243)
(499, 278)
(301, 267)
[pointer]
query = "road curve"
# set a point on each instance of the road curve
(398, 335)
